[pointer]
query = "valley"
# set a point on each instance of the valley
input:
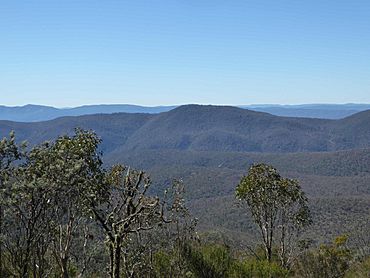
(210, 148)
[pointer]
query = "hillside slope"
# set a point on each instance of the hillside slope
(224, 128)
(114, 129)
(336, 183)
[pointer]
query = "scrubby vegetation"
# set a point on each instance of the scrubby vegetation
(64, 214)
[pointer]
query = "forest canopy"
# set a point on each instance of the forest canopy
(63, 213)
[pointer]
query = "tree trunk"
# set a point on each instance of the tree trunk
(64, 266)
(268, 253)
(117, 257)
(25, 269)
(283, 248)
(111, 259)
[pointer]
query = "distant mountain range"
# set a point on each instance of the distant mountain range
(321, 111)
(211, 147)
(35, 113)
(207, 128)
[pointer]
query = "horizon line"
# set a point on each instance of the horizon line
(182, 104)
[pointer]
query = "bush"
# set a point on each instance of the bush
(252, 268)
(331, 261)
(208, 261)
(217, 261)
(360, 269)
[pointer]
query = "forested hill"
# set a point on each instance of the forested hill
(207, 128)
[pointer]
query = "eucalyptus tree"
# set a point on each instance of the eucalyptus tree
(71, 169)
(26, 224)
(127, 212)
(278, 206)
(179, 232)
(9, 153)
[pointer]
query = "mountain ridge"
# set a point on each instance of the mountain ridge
(207, 128)
(34, 113)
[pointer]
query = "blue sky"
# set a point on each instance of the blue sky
(68, 53)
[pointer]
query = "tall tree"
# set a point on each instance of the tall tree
(127, 212)
(9, 152)
(71, 168)
(180, 231)
(26, 212)
(278, 207)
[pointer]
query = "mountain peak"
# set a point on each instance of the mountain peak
(200, 108)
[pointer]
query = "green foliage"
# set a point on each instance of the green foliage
(219, 257)
(45, 201)
(359, 269)
(52, 198)
(217, 261)
(252, 268)
(278, 207)
(208, 261)
(10, 152)
(162, 264)
(328, 261)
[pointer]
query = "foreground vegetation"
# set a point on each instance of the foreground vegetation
(64, 215)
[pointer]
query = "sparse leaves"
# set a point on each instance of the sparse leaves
(278, 206)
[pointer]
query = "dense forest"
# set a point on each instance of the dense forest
(67, 213)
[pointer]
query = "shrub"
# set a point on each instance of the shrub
(252, 268)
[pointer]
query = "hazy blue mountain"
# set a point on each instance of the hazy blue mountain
(35, 113)
(322, 111)
(207, 128)
(29, 113)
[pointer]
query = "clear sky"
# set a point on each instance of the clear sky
(73, 52)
